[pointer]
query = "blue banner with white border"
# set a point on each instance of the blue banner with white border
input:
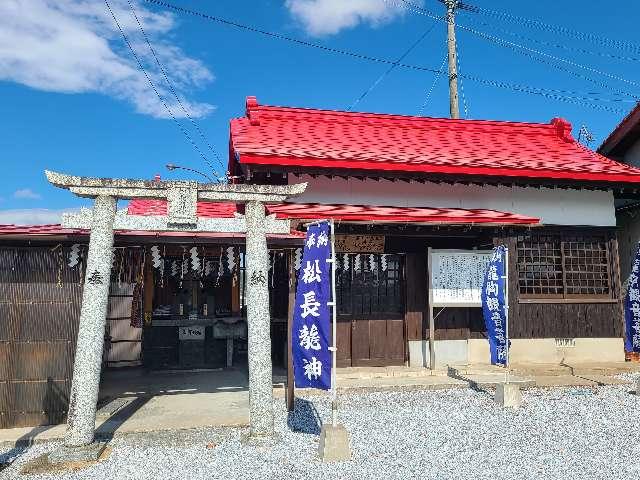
(632, 308)
(494, 305)
(311, 331)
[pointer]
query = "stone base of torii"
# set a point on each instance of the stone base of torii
(182, 196)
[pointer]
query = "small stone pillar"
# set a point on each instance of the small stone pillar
(334, 444)
(508, 395)
(259, 325)
(88, 360)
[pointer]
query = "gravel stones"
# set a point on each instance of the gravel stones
(461, 433)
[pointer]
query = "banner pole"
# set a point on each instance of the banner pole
(334, 345)
(506, 310)
(432, 326)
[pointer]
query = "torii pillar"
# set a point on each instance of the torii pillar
(182, 199)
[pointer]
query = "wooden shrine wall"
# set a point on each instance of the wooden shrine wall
(548, 318)
(455, 323)
(575, 318)
(40, 298)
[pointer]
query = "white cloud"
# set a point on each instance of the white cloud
(326, 17)
(26, 194)
(74, 46)
(33, 216)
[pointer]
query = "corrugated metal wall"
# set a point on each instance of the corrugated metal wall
(40, 298)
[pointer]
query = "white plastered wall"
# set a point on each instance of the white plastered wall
(554, 206)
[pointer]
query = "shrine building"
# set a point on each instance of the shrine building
(402, 191)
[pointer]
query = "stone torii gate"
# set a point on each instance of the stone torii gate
(181, 216)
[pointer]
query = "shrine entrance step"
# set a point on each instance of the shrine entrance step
(356, 373)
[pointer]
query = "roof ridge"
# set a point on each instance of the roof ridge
(320, 138)
(388, 116)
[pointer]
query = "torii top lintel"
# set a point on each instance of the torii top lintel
(128, 189)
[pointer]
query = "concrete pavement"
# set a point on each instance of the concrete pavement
(139, 401)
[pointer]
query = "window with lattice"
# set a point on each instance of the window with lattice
(564, 267)
(369, 286)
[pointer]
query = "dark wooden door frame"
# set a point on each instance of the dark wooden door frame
(366, 324)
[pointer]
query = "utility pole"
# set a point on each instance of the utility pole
(453, 60)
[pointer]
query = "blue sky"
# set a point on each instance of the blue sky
(74, 100)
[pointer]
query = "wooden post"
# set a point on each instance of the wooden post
(148, 290)
(290, 395)
(236, 308)
(452, 55)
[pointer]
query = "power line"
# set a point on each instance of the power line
(287, 38)
(390, 69)
(550, 44)
(548, 93)
(126, 39)
(548, 55)
(433, 86)
(464, 97)
(527, 51)
(609, 42)
(173, 91)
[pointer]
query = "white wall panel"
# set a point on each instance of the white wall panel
(554, 206)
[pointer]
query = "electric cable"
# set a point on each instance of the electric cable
(527, 51)
(173, 91)
(153, 87)
(390, 69)
(548, 93)
(433, 86)
(533, 23)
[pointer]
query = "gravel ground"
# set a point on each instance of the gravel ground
(447, 434)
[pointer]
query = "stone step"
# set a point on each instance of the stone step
(607, 368)
(474, 369)
(544, 369)
(490, 380)
(356, 373)
(603, 380)
(549, 381)
(400, 384)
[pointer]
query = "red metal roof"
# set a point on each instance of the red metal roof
(300, 137)
(204, 209)
(355, 213)
(363, 213)
(58, 230)
(52, 229)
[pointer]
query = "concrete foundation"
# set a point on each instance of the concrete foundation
(508, 395)
(86, 453)
(334, 444)
(448, 352)
(545, 350)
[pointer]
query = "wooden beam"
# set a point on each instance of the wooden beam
(148, 290)
(290, 394)
(235, 291)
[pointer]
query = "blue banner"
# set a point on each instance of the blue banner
(632, 309)
(311, 332)
(494, 305)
